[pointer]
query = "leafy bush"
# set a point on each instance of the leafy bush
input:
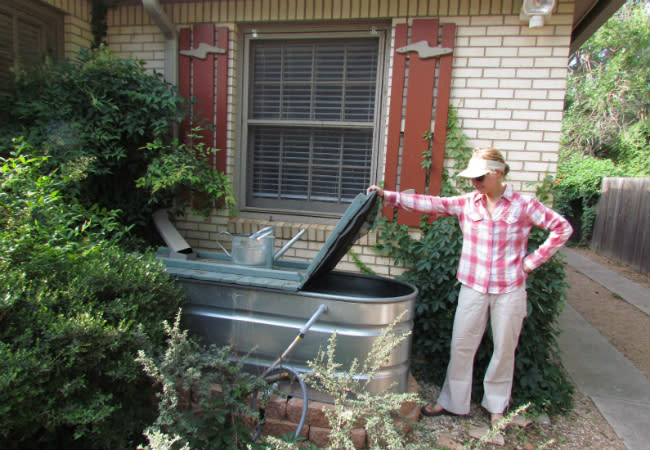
(204, 396)
(352, 402)
(577, 189)
(117, 119)
(75, 309)
(430, 263)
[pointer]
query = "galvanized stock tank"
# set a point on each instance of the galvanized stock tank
(259, 311)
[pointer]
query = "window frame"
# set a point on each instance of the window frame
(50, 24)
(298, 208)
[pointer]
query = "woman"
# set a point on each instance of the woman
(496, 223)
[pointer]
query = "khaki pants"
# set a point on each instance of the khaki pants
(506, 312)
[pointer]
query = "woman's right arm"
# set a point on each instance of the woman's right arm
(425, 204)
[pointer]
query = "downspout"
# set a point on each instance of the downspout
(168, 30)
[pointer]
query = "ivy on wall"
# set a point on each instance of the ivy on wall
(98, 25)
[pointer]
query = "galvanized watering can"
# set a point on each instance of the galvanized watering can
(256, 249)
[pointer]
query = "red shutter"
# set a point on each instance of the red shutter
(418, 112)
(204, 77)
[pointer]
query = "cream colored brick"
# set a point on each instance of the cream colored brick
(493, 134)
(197, 235)
(495, 114)
(484, 62)
(524, 156)
(470, 31)
(504, 30)
(526, 114)
(536, 51)
(510, 144)
(547, 105)
(469, 52)
(501, 51)
(491, 21)
(146, 56)
(460, 62)
(521, 41)
(483, 83)
(553, 41)
(537, 94)
(550, 157)
(558, 73)
(511, 125)
(532, 73)
(556, 95)
(561, 52)
(518, 62)
(468, 93)
(546, 125)
(485, 41)
(456, 83)
(477, 123)
(515, 83)
(550, 136)
(550, 62)
(537, 167)
(132, 47)
(523, 176)
(513, 104)
(480, 103)
(550, 84)
(467, 73)
(527, 135)
(500, 73)
(497, 93)
(543, 146)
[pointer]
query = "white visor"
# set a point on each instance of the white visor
(478, 167)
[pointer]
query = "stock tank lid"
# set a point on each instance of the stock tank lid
(286, 275)
(355, 223)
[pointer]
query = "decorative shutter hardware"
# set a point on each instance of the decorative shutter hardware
(202, 51)
(425, 50)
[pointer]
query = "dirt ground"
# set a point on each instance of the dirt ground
(626, 327)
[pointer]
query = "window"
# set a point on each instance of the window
(29, 31)
(310, 122)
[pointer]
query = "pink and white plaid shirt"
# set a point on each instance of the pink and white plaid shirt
(494, 256)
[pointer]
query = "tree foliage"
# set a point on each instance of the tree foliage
(608, 93)
(74, 310)
(114, 118)
(606, 130)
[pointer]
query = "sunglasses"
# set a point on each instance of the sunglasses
(479, 179)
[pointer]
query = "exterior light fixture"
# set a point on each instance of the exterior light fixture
(534, 11)
(254, 33)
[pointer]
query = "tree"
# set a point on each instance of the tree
(608, 93)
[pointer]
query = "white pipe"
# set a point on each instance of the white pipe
(169, 32)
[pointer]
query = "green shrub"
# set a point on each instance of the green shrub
(193, 412)
(352, 403)
(75, 309)
(115, 120)
(577, 189)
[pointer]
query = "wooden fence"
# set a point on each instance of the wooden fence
(622, 228)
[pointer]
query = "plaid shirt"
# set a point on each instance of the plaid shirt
(494, 256)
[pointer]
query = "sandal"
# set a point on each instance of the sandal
(429, 412)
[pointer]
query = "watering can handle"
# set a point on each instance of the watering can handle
(219, 243)
(287, 245)
(262, 232)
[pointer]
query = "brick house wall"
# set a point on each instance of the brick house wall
(508, 85)
(76, 28)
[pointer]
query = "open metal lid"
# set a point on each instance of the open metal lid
(356, 222)
(286, 275)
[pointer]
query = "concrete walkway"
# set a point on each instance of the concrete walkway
(620, 391)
